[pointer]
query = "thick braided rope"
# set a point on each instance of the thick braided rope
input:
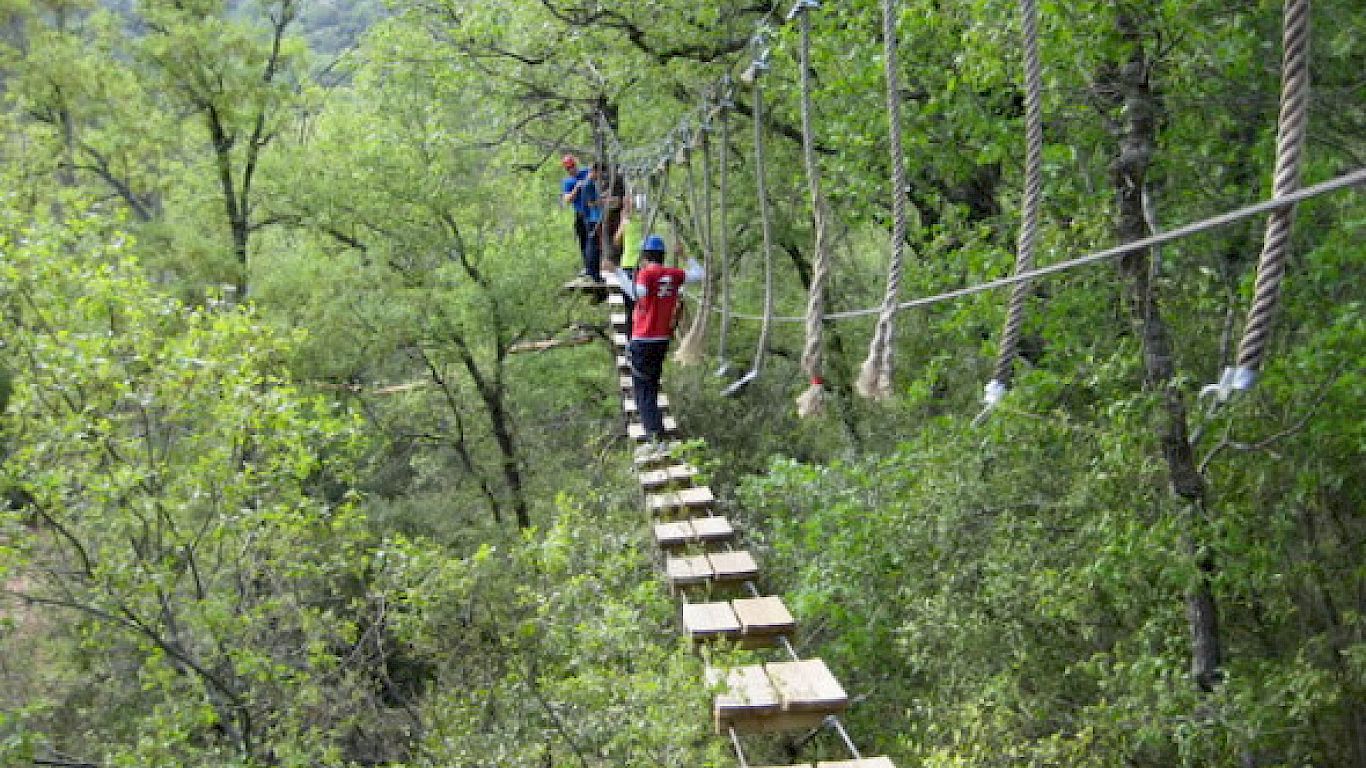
(761, 189)
(692, 347)
(1290, 140)
(723, 242)
(875, 379)
(655, 203)
(810, 401)
(1029, 215)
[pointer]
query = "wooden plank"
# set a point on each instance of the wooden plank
(618, 320)
(867, 762)
(733, 566)
(663, 404)
(712, 529)
(620, 340)
(625, 383)
(745, 692)
(674, 535)
(673, 475)
(636, 431)
(587, 286)
(616, 300)
(660, 503)
(687, 571)
(654, 479)
(710, 621)
(763, 616)
(623, 364)
(807, 686)
(700, 497)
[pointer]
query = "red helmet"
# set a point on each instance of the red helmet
(569, 161)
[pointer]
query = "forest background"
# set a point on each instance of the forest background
(277, 492)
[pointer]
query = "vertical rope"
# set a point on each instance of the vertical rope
(766, 221)
(655, 203)
(723, 244)
(1029, 216)
(1290, 138)
(875, 379)
(811, 402)
(761, 189)
(691, 350)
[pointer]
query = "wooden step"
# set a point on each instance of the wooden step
(701, 530)
(688, 571)
(618, 321)
(735, 566)
(763, 616)
(745, 697)
(584, 285)
(654, 480)
(636, 431)
(736, 620)
(620, 340)
(778, 696)
(629, 403)
(625, 383)
(616, 300)
(715, 567)
(863, 763)
(623, 365)
(685, 500)
(711, 621)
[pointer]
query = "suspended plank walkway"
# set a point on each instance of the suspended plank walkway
(701, 557)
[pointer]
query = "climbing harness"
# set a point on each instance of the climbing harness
(1029, 214)
(875, 379)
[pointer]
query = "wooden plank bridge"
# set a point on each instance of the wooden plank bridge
(702, 557)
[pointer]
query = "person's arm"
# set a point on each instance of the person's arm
(568, 197)
(628, 286)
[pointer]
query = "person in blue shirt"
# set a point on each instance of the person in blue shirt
(569, 195)
(583, 194)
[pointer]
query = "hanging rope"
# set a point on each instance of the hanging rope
(655, 202)
(1029, 215)
(1290, 139)
(723, 237)
(761, 189)
(812, 401)
(692, 348)
(875, 379)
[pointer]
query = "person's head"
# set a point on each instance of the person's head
(653, 249)
(569, 163)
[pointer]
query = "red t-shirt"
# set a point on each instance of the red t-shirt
(657, 287)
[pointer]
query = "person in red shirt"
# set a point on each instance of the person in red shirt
(655, 291)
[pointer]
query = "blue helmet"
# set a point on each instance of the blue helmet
(653, 243)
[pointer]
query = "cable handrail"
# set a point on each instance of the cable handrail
(1350, 179)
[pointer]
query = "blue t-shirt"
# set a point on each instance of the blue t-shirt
(580, 200)
(593, 208)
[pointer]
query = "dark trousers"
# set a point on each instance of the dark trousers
(580, 230)
(592, 252)
(647, 368)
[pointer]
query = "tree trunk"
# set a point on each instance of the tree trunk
(1136, 135)
(493, 395)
